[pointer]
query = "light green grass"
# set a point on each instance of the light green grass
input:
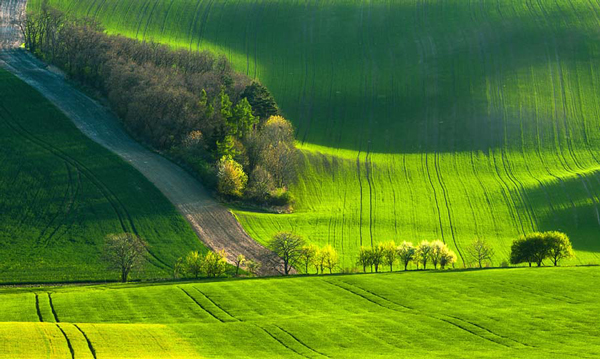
(61, 193)
(512, 313)
(419, 119)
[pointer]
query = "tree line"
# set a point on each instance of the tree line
(125, 252)
(190, 105)
(300, 256)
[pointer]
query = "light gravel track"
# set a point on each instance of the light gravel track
(214, 224)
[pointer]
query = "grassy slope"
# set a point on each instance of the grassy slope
(60, 194)
(419, 119)
(492, 313)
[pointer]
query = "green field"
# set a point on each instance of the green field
(512, 313)
(61, 193)
(423, 119)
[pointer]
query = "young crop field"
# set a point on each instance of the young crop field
(500, 313)
(418, 119)
(61, 193)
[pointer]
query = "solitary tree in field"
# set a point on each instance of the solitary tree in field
(480, 251)
(364, 258)
(390, 254)
(239, 261)
(559, 246)
(288, 246)
(124, 252)
(423, 253)
(308, 256)
(406, 253)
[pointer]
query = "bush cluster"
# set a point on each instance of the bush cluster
(191, 105)
(195, 264)
(539, 246)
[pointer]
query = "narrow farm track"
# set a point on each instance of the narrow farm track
(214, 224)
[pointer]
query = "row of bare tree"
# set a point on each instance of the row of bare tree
(189, 104)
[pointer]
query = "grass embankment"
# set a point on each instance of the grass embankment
(61, 193)
(418, 119)
(513, 313)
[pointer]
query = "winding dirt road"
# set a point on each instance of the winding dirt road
(214, 224)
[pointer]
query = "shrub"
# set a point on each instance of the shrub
(231, 177)
(535, 247)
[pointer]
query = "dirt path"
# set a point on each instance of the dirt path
(214, 223)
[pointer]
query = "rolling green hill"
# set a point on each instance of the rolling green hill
(61, 193)
(501, 313)
(422, 119)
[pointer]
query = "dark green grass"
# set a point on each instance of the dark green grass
(61, 193)
(418, 119)
(512, 313)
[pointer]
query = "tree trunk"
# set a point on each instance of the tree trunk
(405, 266)
(391, 269)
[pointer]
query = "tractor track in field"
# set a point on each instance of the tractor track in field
(397, 307)
(203, 22)
(164, 24)
(213, 223)
(52, 308)
(37, 308)
(149, 18)
(90, 7)
(360, 210)
(281, 342)
(201, 306)
(112, 199)
(87, 340)
(71, 350)
(585, 183)
(495, 110)
(124, 16)
(216, 304)
(301, 342)
(139, 18)
(98, 8)
(519, 189)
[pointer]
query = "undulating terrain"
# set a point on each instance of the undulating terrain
(428, 119)
(511, 313)
(61, 193)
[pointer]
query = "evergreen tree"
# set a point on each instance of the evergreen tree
(262, 102)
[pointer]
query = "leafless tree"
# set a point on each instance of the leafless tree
(124, 252)
(480, 252)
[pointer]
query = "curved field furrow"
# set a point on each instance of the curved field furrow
(471, 111)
